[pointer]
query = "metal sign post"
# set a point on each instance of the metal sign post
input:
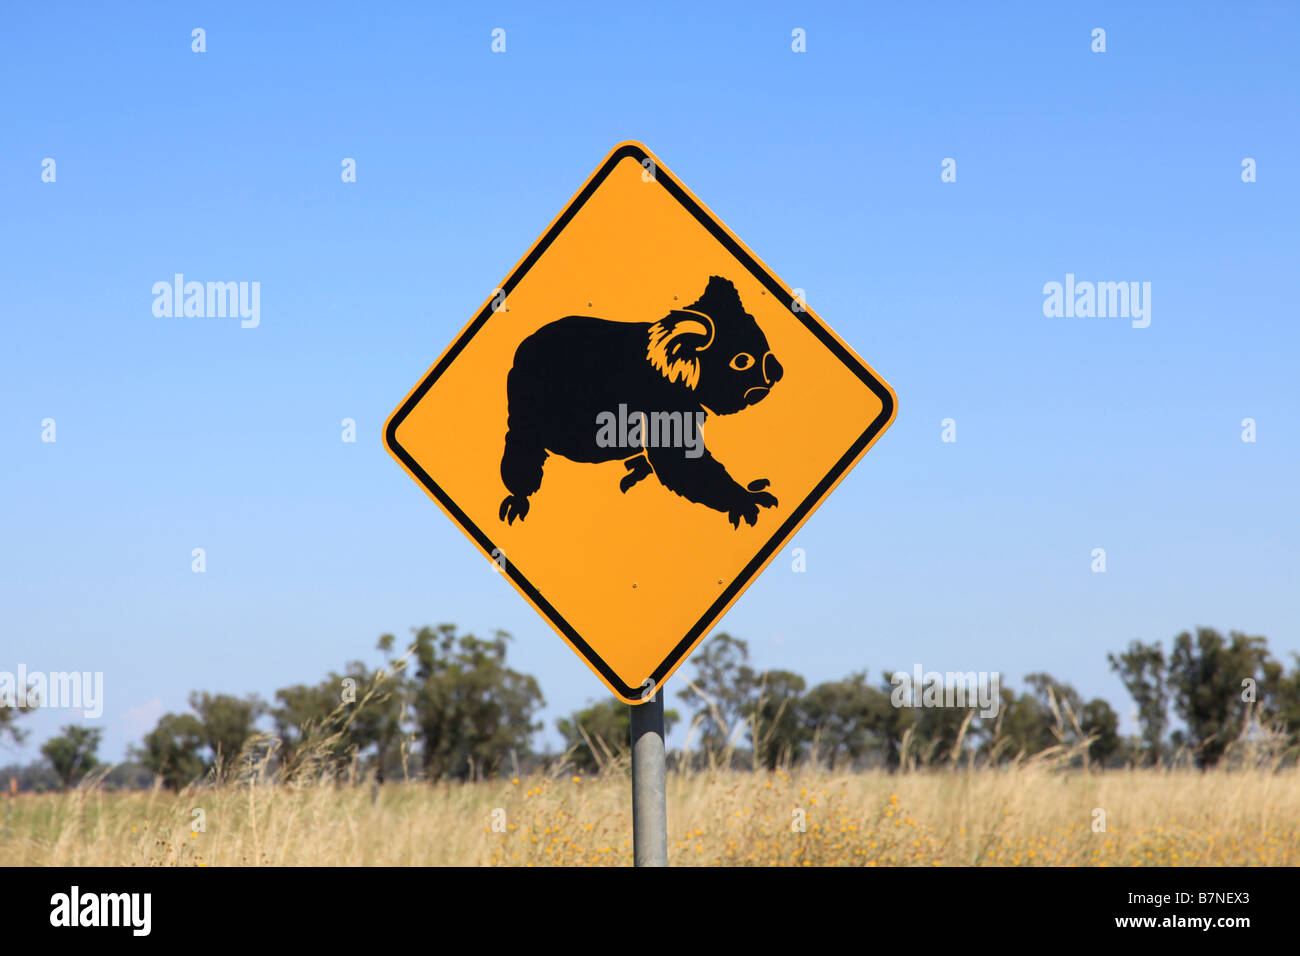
(649, 784)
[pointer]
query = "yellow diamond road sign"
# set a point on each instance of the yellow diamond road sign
(637, 421)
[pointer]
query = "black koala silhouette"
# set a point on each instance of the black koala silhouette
(709, 357)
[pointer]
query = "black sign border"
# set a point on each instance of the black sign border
(787, 528)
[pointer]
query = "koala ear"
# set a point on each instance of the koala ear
(720, 298)
(674, 343)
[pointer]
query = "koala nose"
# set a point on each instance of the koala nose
(771, 369)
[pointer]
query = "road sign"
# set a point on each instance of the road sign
(637, 421)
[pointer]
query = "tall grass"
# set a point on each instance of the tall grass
(1028, 813)
(311, 808)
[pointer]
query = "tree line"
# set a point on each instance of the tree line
(449, 707)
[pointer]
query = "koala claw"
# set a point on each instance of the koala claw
(514, 506)
(748, 509)
(637, 469)
(758, 484)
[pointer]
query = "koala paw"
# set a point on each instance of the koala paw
(637, 469)
(747, 507)
(514, 506)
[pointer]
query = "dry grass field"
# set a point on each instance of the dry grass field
(1023, 816)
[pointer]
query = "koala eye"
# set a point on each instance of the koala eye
(742, 361)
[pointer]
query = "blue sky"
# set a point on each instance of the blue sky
(975, 555)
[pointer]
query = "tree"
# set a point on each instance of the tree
(306, 712)
(220, 726)
(8, 724)
(72, 755)
(1206, 674)
(470, 710)
(774, 711)
(1283, 704)
(602, 731)
(1142, 669)
(1057, 697)
(843, 719)
(892, 724)
(228, 723)
(172, 750)
(1070, 719)
(1051, 714)
(1023, 727)
(354, 715)
(10, 710)
(720, 690)
(936, 732)
(380, 722)
(36, 777)
(1100, 721)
